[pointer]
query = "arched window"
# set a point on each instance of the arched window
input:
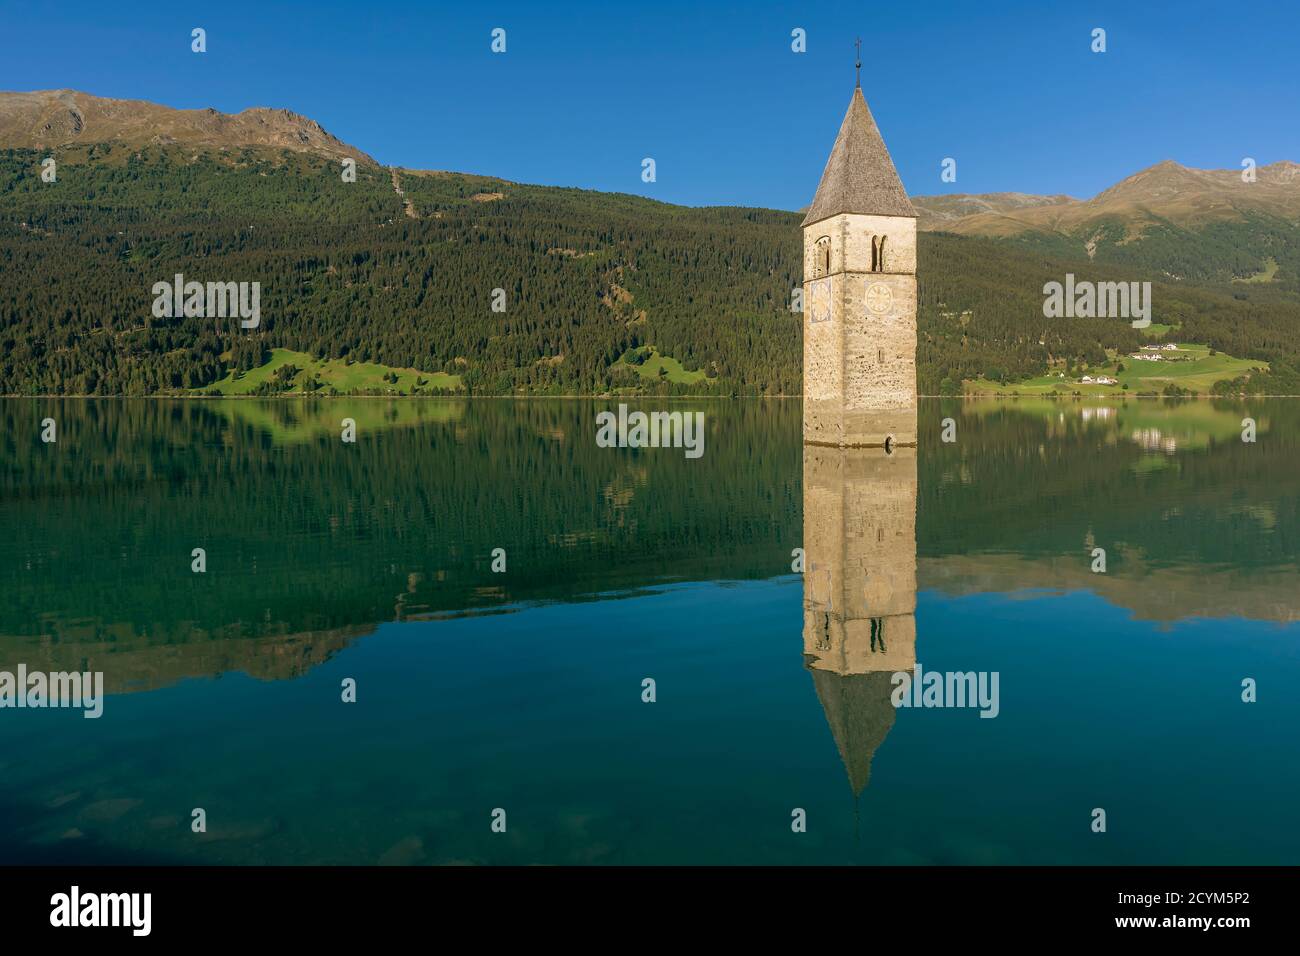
(877, 253)
(822, 257)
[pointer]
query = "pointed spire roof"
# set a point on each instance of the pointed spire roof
(859, 177)
(860, 714)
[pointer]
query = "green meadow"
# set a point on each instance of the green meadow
(651, 362)
(1267, 275)
(1191, 367)
(331, 374)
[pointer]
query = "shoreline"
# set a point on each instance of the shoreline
(965, 396)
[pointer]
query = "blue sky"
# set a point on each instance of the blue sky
(712, 92)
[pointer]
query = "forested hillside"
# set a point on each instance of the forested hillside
(398, 269)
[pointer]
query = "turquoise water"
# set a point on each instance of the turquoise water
(522, 690)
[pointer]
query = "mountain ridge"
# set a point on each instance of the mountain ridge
(41, 119)
(1167, 192)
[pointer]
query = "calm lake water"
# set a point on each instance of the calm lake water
(522, 690)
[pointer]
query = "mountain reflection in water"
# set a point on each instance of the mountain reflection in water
(522, 689)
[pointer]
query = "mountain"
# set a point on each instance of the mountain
(44, 119)
(946, 211)
(1166, 194)
(409, 282)
(286, 601)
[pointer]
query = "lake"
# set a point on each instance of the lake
(500, 588)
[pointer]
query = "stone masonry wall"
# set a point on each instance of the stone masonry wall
(859, 539)
(860, 332)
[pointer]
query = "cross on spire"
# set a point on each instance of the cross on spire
(858, 63)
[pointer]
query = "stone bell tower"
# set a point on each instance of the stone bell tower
(859, 295)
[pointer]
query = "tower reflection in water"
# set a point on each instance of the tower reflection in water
(859, 599)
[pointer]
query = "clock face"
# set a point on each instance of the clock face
(819, 309)
(879, 298)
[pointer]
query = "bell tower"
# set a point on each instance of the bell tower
(859, 295)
